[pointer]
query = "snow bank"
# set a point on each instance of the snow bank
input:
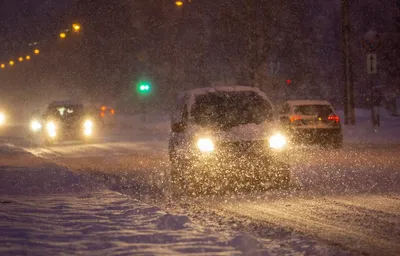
(46, 209)
(363, 132)
(97, 223)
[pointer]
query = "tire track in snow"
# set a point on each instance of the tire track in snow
(360, 230)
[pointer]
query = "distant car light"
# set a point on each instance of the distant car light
(36, 125)
(88, 132)
(51, 129)
(277, 141)
(88, 128)
(205, 145)
(2, 118)
(88, 124)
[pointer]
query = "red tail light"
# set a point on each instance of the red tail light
(334, 118)
(294, 118)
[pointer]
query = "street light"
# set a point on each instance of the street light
(63, 35)
(20, 59)
(76, 27)
(179, 3)
(28, 57)
(36, 51)
(3, 65)
(11, 63)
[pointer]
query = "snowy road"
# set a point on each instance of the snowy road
(348, 198)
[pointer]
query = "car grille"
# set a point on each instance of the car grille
(241, 148)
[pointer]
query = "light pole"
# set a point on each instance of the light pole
(348, 100)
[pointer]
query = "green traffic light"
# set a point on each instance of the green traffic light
(144, 87)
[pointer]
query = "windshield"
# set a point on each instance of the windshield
(66, 111)
(230, 109)
(312, 110)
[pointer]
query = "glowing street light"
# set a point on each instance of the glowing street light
(28, 57)
(63, 35)
(20, 59)
(11, 63)
(36, 51)
(178, 3)
(76, 27)
(3, 65)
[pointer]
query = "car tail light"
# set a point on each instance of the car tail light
(334, 118)
(295, 118)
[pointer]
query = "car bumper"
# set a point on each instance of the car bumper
(316, 135)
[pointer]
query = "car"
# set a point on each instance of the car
(63, 120)
(107, 115)
(227, 136)
(311, 122)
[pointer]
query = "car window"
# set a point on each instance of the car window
(310, 110)
(230, 109)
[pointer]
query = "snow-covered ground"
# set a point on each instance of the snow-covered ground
(363, 132)
(46, 209)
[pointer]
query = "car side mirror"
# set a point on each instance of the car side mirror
(178, 127)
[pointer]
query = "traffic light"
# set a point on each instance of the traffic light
(288, 81)
(144, 87)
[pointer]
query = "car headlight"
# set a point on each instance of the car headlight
(277, 141)
(88, 128)
(88, 124)
(36, 125)
(2, 118)
(51, 129)
(205, 145)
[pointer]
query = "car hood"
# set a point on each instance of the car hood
(246, 132)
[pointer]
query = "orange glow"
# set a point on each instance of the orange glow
(28, 57)
(63, 35)
(178, 3)
(12, 63)
(20, 59)
(102, 114)
(3, 65)
(112, 111)
(76, 27)
(36, 51)
(103, 108)
(295, 118)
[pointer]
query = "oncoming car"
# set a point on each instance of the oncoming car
(64, 120)
(227, 136)
(312, 121)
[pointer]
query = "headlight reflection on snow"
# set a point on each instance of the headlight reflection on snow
(277, 141)
(205, 145)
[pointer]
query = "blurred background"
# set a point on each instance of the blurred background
(290, 49)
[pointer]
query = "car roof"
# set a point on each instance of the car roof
(65, 102)
(308, 102)
(225, 88)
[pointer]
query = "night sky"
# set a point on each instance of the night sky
(24, 21)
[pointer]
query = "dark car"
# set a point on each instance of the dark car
(64, 120)
(311, 122)
(227, 136)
